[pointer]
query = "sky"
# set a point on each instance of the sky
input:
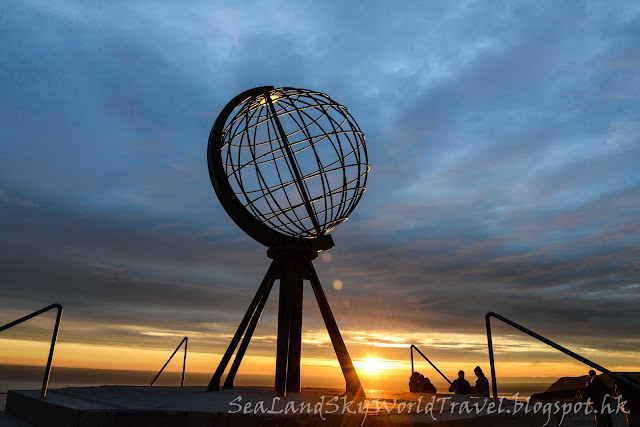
(503, 140)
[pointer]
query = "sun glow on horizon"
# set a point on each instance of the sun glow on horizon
(370, 365)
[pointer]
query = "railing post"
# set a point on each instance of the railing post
(550, 344)
(184, 361)
(54, 338)
(411, 351)
(425, 358)
(494, 382)
(184, 340)
(56, 328)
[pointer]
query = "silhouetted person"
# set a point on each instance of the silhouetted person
(482, 383)
(631, 397)
(460, 385)
(416, 382)
(427, 386)
(597, 392)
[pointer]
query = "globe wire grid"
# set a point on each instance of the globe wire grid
(329, 153)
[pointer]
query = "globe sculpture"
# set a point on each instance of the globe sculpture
(288, 166)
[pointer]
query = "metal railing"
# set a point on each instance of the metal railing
(558, 347)
(47, 371)
(185, 340)
(413, 347)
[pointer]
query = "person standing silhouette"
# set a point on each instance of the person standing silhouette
(596, 391)
(482, 383)
(460, 385)
(427, 386)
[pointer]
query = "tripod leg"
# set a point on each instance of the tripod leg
(214, 384)
(348, 370)
(228, 382)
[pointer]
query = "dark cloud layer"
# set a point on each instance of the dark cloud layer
(504, 141)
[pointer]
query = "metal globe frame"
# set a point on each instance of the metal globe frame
(272, 129)
(291, 210)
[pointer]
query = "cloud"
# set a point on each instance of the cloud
(624, 134)
(502, 140)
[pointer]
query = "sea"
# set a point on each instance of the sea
(18, 377)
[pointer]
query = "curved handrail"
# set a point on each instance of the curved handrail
(185, 340)
(47, 371)
(425, 358)
(550, 343)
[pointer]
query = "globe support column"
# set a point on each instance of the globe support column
(291, 266)
(295, 332)
(293, 261)
(257, 205)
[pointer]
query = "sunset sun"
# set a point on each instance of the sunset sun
(371, 365)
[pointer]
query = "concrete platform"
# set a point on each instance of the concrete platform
(7, 420)
(251, 406)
